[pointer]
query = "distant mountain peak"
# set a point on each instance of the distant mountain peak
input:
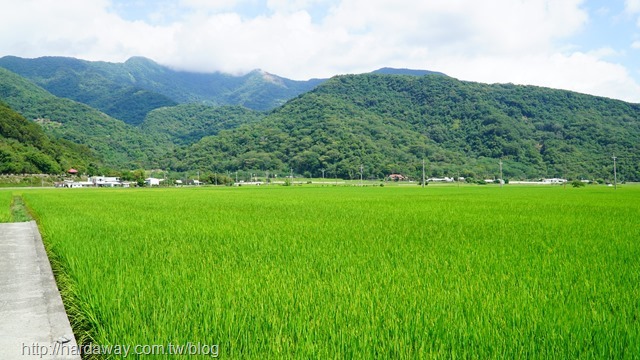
(268, 77)
(401, 71)
(140, 59)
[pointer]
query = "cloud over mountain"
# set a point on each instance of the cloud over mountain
(525, 42)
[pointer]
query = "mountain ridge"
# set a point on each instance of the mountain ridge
(383, 122)
(142, 85)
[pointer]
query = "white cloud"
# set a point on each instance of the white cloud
(578, 71)
(520, 41)
(632, 6)
(636, 44)
(208, 5)
(75, 28)
(295, 5)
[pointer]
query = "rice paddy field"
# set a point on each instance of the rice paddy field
(348, 272)
(5, 206)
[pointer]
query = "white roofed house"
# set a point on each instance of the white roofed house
(153, 181)
(444, 179)
(554, 181)
(105, 181)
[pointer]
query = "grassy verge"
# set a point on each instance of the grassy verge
(19, 212)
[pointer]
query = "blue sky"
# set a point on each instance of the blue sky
(590, 46)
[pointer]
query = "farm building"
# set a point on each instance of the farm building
(444, 179)
(153, 181)
(95, 181)
(554, 181)
(397, 177)
(74, 184)
(105, 181)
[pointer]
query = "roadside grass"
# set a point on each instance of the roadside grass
(337, 272)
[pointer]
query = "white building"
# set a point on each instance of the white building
(105, 181)
(554, 181)
(444, 179)
(153, 181)
(75, 184)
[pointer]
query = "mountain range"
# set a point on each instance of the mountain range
(129, 90)
(139, 114)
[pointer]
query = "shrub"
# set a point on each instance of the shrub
(577, 183)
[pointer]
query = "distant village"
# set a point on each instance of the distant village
(106, 181)
(111, 182)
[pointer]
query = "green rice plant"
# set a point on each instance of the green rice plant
(5, 206)
(348, 272)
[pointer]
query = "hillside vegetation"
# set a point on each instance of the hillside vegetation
(390, 123)
(26, 149)
(117, 144)
(188, 123)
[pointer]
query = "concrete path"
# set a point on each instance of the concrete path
(33, 322)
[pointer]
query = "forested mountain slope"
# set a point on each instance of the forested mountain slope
(390, 123)
(382, 121)
(188, 123)
(104, 86)
(129, 90)
(26, 149)
(114, 142)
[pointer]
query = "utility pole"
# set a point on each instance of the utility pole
(423, 173)
(322, 173)
(501, 181)
(615, 174)
(236, 176)
(361, 169)
(291, 176)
